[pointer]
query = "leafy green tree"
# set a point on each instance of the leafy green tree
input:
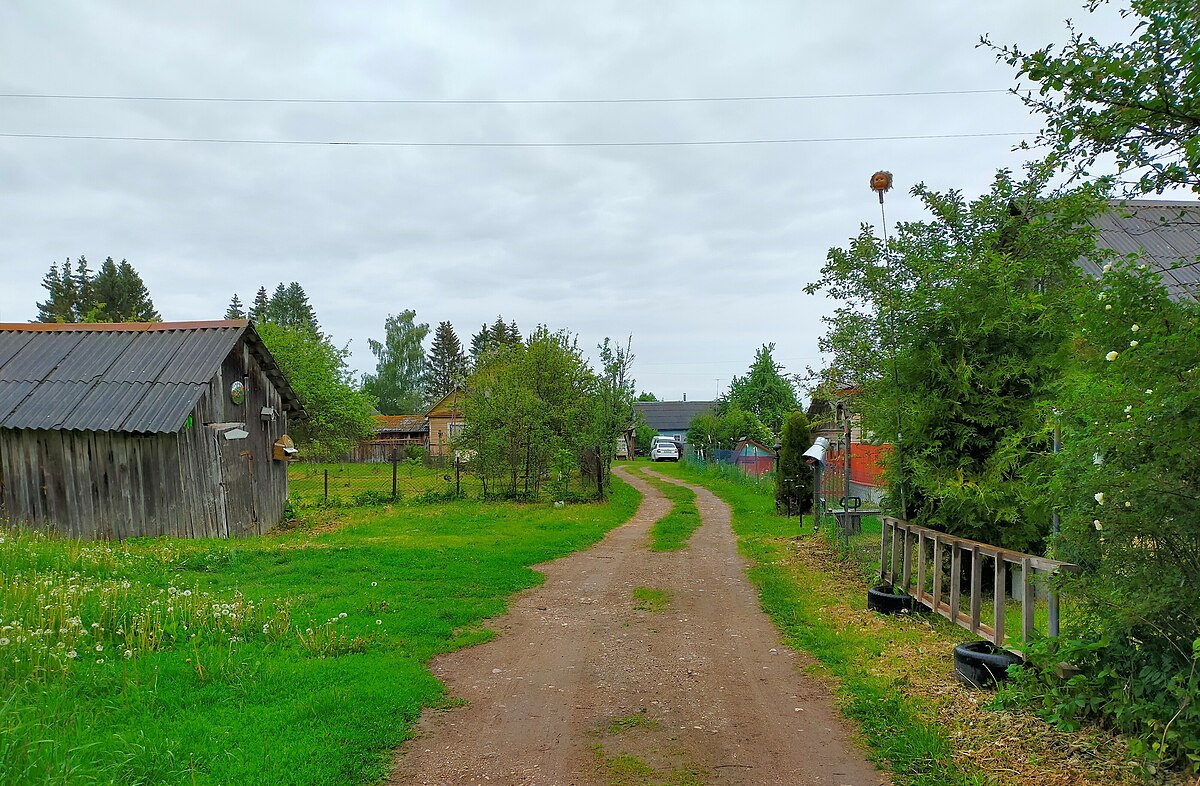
(612, 408)
(1126, 480)
(235, 310)
(954, 335)
(797, 493)
(723, 430)
(339, 417)
(446, 365)
(527, 406)
(645, 396)
(1137, 100)
(260, 308)
(763, 392)
(398, 381)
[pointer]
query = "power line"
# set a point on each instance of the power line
(368, 143)
(486, 101)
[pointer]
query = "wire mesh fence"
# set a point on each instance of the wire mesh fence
(430, 477)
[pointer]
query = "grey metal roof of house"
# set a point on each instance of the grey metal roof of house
(1165, 233)
(133, 377)
(673, 416)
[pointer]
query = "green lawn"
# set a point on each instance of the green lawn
(290, 659)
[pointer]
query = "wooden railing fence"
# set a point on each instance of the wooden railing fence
(902, 544)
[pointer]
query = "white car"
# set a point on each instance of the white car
(664, 451)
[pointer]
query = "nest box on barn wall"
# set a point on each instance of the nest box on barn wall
(268, 414)
(285, 449)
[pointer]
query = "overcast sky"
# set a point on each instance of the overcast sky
(699, 252)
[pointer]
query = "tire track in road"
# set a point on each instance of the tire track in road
(705, 685)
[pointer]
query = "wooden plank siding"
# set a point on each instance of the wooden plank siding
(192, 483)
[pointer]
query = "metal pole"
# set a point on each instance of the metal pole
(1054, 520)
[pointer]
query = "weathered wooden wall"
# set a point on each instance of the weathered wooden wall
(191, 484)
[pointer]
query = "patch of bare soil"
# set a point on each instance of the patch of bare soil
(583, 687)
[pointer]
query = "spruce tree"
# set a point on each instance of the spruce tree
(446, 365)
(260, 307)
(85, 298)
(479, 343)
(60, 305)
(138, 307)
(235, 310)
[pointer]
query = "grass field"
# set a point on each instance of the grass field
(290, 659)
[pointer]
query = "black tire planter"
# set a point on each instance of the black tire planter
(884, 599)
(981, 664)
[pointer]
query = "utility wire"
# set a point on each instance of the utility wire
(368, 143)
(485, 101)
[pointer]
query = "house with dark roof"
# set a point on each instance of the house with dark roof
(1164, 233)
(672, 418)
(142, 429)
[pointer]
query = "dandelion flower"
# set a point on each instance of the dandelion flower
(1099, 495)
(1111, 356)
(1149, 391)
(378, 622)
(99, 648)
(1108, 307)
(128, 654)
(1135, 328)
(1129, 408)
(100, 660)
(1128, 504)
(1133, 343)
(1096, 524)
(374, 583)
(72, 654)
(266, 627)
(4, 642)
(187, 593)
(342, 615)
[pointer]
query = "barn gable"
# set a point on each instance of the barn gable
(119, 430)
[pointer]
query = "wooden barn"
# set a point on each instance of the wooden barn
(142, 429)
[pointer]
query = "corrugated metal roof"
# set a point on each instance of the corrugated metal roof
(1165, 234)
(673, 416)
(141, 377)
(408, 423)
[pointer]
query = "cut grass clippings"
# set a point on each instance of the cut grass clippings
(893, 675)
(297, 658)
(671, 532)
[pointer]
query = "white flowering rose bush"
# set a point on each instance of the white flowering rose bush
(1128, 479)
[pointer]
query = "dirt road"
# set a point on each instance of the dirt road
(581, 687)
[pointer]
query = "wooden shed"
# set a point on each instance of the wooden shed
(753, 458)
(142, 429)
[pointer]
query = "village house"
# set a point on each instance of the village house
(142, 429)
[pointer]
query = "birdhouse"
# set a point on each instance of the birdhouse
(285, 449)
(267, 414)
